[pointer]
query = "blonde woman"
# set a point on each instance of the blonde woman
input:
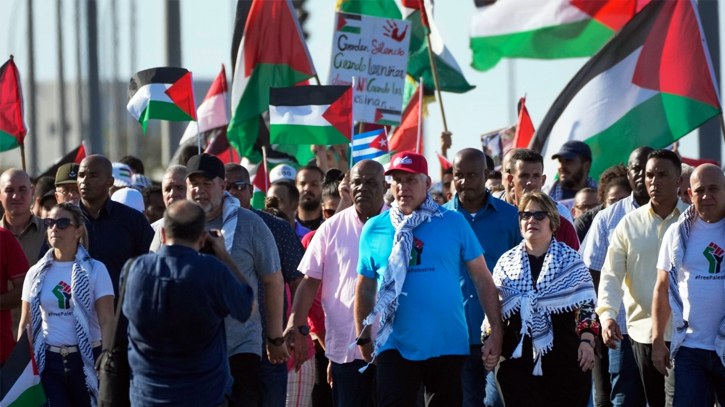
(68, 302)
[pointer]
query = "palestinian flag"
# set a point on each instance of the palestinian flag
(260, 178)
(75, 156)
(20, 380)
(310, 115)
(650, 85)
(162, 94)
(272, 53)
(524, 127)
(450, 76)
(12, 126)
(549, 29)
(375, 8)
(370, 145)
(212, 113)
(445, 164)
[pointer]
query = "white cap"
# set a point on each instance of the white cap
(282, 172)
(129, 197)
(122, 175)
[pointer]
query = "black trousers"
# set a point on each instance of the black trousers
(399, 380)
(246, 389)
(321, 391)
(600, 376)
(658, 389)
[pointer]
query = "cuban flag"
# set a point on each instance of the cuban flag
(370, 145)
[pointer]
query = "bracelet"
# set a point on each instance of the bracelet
(589, 341)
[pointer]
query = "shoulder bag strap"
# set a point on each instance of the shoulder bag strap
(119, 304)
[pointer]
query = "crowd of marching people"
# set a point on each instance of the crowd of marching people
(371, 285)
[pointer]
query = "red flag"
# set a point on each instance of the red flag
(418, 5)
(524, 127)
(406, 135)
(261, 178)
(12, 126)
(81, 154)
(445, 164)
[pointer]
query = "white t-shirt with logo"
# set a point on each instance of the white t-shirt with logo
(701, 280)
(56, 304)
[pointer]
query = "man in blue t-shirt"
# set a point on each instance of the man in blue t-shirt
(176, 301)
(415, 252)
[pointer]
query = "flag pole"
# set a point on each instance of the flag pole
(317, 78)
(722, 125)
(438, 89)
(264, 168)
(22, 153)
(352, 119)
(420, 115)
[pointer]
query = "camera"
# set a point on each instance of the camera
(206, 249)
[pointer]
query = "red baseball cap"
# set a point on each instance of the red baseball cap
(408, 162)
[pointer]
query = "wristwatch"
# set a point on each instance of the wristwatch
(363, 341)
(276, 341)
(590, 342)
(304, 329)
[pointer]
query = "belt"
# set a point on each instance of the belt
(65, 350)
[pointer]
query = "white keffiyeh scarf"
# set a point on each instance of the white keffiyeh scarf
(682, 234)
(392, 282)
(83, 306)
(230, 209)
(563, 285)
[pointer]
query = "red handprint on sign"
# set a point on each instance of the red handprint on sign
(392, 31)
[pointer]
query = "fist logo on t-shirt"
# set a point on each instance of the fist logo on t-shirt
(62, 291)
(714, 255)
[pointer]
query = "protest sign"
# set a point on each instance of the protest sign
(374, 51)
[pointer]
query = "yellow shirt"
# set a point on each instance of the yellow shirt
(630, 269)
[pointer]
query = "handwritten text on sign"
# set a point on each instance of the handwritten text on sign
(375, 51)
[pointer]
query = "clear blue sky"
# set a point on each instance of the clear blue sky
(206, 37)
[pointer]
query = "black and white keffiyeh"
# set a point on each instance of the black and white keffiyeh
(682, 234)
(563, 285)
(82, 304)
(392, 282)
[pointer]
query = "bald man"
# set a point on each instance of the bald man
(116, 232)
(16, 196)
(495, 224)
(691, 256)
(331, 261)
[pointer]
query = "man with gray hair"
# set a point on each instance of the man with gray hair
(173, 188)
(682, 191)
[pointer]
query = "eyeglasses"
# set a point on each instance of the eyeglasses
(62, 223)
(539, 215)
(239, 185)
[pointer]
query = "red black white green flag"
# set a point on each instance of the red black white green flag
(161, 94)
(650, 85)
(20, 380)
(272, 53)
(12, 125)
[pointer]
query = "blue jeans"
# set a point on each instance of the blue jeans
(273, 379)
(350, 388)
(64, 381)
(627, 389)
(699, 377)
(479, 388)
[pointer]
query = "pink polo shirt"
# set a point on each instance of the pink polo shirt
(332, 257)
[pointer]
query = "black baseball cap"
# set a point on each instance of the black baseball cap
(67, 174)
(572, 149)
(205, 164)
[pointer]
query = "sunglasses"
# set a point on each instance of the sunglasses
(62, 223)
(539, 215)
(239, 185)
(329, 212)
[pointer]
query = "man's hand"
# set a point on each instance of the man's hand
(277, 354)
(661, 356)
(445, 141)
(491, 351)
(611, 333)
(216, 242)
(367, 351)
(297, 343)
(329, 372)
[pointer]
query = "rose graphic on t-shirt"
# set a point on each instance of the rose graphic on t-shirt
(417, 253)
(714, 255)
(63, 292)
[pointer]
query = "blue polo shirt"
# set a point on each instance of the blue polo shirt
(429, 321)
(496, 226)
(176, 301)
